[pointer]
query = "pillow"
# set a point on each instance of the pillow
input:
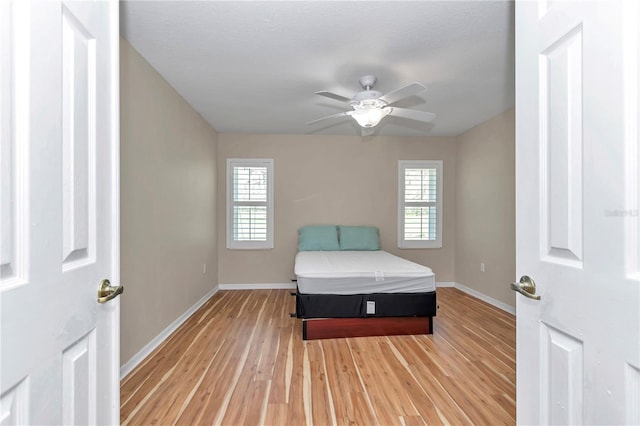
(318, 238)
(359, 238)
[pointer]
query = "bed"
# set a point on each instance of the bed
(349, 287)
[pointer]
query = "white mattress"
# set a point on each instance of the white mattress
(360, 272)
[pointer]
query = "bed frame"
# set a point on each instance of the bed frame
(326, 316)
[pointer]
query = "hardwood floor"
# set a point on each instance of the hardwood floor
(241, 360)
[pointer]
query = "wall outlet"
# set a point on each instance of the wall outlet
(481, 266)
(204, 268)
(371, 307)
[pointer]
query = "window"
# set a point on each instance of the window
(249, 203)
(419, 204)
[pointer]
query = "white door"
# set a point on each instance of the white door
(578, 347)
(59, 204)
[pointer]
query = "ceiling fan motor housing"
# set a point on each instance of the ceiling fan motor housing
(367, 81)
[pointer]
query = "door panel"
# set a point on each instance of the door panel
(79, 381)
(577, 218)
(631, 76)
(14, 405)
(561, 149)
(561, 374)
(632, 389)
(14, 163)
(79, 142)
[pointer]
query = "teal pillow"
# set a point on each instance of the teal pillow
(318, 238)
(359, 238)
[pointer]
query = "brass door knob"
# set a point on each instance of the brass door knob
(526, 287)
(107, 292)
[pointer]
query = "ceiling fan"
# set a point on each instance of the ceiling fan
(370, 106)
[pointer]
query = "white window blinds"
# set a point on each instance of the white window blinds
(419, 204)
(250, 204)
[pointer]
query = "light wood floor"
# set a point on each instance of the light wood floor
(241, 360)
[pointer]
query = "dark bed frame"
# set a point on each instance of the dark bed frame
(326, 316)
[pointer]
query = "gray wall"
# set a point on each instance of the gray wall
(324, 179)
(485, 207)
(168, 203)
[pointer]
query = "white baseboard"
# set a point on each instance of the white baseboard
(490, 300)
(257, 286)
(128, 367)
(445, 284)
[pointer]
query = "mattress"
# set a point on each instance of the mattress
(360, 272)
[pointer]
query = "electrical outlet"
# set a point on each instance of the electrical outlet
(204, 268)
(371, 307)
(481, 266)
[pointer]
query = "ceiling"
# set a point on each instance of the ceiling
(253, 66)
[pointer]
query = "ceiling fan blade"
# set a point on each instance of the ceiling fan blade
(413, 114)
(333, 96)
(403, 92)
(341, 114)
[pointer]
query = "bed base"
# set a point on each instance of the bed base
(332, 328)
(327, 316)
(365, 305)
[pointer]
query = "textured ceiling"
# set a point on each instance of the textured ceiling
(253, 66)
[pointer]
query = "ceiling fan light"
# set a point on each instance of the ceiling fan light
(369, 117)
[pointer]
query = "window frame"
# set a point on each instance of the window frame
(253, 244)
(419, 164)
